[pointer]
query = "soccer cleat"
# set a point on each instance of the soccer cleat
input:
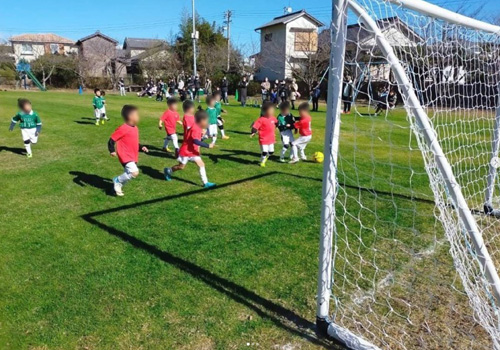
(117, 186)
(168, 150)
(29, 155)
(303, 158)
(294, 161)
(209, 185)
(102, 121)
(282, 160)
(168, 174)
(97, 123)
(225, 137)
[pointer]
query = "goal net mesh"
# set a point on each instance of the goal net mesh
(405, 273)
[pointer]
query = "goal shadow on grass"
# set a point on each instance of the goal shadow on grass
(267, 309)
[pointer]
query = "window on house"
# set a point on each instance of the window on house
(268, 37)
(306, 41)
(27, 49)
(54, 48)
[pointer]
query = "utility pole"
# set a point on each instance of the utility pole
(227, 16)
(194, 36)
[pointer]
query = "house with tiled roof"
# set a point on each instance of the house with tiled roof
(285, 41)
(29, 47)
(133, 47)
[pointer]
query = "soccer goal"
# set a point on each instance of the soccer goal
(410, 222)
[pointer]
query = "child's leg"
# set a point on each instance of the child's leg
(264, 153)
(166, 141)
(203, 172)
(27, 146)
(175, 141)
(130, 172)
(220, 123)
(97, 114)
(212, 128)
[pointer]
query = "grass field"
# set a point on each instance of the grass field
(167, 266)
(172, 266)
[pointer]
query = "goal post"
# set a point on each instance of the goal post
(366, 269)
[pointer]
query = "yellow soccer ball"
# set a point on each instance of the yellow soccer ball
(318, 157)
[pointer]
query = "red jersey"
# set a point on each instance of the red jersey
(127, 143)
(187, 122)
(266, 128)
(170, 119)
(189, 148)
(304, 126)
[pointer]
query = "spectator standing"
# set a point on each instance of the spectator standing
(265, 88)
(315, 94)
(243, 85)
(121, 85)
(294, 92)
(347, 91)
(224, 88)
(197, 87)
(208, 87)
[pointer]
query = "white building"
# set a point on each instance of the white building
(29, 47)
(284, 42)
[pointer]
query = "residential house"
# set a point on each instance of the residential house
(99, 54)
(133, 47)
(28, 47)
(284, 42)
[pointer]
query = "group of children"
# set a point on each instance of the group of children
(286, 123)
(197, 126)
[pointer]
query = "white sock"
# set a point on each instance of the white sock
(124, 178)
(283, 152)
(175, 141)
(203, 175)
(263, 158)
(294, 151)
(302, 153)
(28, 147)
(222, 132)
(214, 138)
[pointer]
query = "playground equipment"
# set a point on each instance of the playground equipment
(25, 69)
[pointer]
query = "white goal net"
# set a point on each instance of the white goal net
(414, 224)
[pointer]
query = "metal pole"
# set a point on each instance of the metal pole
(335, 78)
(494, 163)
(229, 13)
(193, 35)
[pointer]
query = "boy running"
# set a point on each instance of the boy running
(98, 104)
(29, 122)
(212, 119)
(188, 119)
(220, 121)
(126, 139)
(190, 150)
(286, 123)
(304, 127)
(170, 118)
(266, 126)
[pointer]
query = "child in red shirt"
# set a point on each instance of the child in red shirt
(190, 150)
(188, 120)
(266, 127)
(126, 139)
(170, 118)
(305, 132)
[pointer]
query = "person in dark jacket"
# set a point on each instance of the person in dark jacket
(315, 94)
(243, 85)
(347, 91)
(197, 87)
(224, 88)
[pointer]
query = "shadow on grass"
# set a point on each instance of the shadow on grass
(158, 175)
(265, 308)
(159, 152)
(238, 132)
(83, 122)
(96, 181)
(15, 150)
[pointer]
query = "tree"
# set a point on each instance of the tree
(45, 66)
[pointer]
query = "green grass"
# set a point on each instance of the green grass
(172, 266)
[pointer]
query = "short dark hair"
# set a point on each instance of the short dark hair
(171, 101)
(187, 104)
(96, 89)
(103, 92)
(209, 100)
(304, 106)
(266, 105)
(200, 115)
(285, 105)
(127, 110)
(21, 102)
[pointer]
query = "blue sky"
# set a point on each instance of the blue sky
(160, 19)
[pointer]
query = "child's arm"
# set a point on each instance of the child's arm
(203, 144)
(143, 149)
(38, 125)
(160, 123)
(111, 147)
(179, 122)
(14, 121)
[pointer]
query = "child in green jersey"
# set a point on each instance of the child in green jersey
(220, 121)
(29, 122)
(98, 104)
(212, 118)
(286, 123)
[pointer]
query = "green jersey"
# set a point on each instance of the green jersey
(212, 115)
(98, 102)
(27, 120)
(218, 108)
(284, 120)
